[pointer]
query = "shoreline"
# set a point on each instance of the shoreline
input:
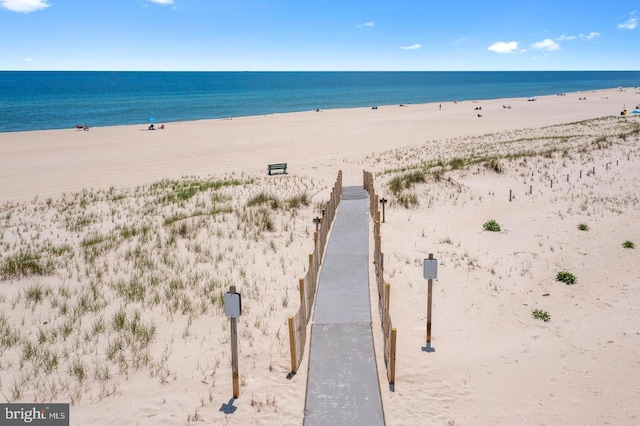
(311, 108)
(55, 161)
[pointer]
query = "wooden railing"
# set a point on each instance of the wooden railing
(307, 285)
(384, 288)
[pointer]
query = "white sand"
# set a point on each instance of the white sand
(493, 363)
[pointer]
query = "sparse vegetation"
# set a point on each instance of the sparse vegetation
(262, 199)
(495, 165)
(583, 227)
(566, 277)
(123, 264)
(23, 264)
(541, 315)
(492, 226)
(408, 200)
(405, 181)
(628, 245)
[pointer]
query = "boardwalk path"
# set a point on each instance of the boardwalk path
(342, 387)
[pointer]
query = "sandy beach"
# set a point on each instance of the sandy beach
(117, 244)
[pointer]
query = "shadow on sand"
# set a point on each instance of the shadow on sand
(229, 408)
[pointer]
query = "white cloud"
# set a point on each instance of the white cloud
(366, 25)
(24, 6)
(161, 1)
(546, 44)
(586, 37)
(631, 22)
(504, 47)
(590, 36)
(412, 47)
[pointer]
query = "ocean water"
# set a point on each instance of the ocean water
(38, 100)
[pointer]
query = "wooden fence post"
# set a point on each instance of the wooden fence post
(392, 357)
(387, 296)
(292, 345)
(303, 302)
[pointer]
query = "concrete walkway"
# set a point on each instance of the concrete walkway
(342, 386)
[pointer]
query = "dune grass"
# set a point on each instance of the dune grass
(116, 266)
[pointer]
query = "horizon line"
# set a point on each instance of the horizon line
(283, 71)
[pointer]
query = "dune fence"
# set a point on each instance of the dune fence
(307, 285)
(384, 288)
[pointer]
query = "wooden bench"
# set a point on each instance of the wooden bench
(277, 166)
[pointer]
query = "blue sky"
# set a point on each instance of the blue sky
(217, 35)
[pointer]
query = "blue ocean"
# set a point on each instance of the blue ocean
(39, 100)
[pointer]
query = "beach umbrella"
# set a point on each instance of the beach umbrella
(635, 111)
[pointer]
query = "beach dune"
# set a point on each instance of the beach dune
(117, 243)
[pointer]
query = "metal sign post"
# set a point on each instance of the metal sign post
(233, 309)
(430, 273)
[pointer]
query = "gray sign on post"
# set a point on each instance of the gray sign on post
(232, 305)
(233, 309)
(430, 271)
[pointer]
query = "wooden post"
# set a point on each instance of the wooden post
(510, 192)
(530, 189)
(429, 304)
(392, 357)
(292, 345)
(387, 296)
(580, 174)
(312, 272)
(317, 221)
(567, 178)
(551, 183)
(383, 201)
(234, 352)
(301, 289)
(303, 302)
